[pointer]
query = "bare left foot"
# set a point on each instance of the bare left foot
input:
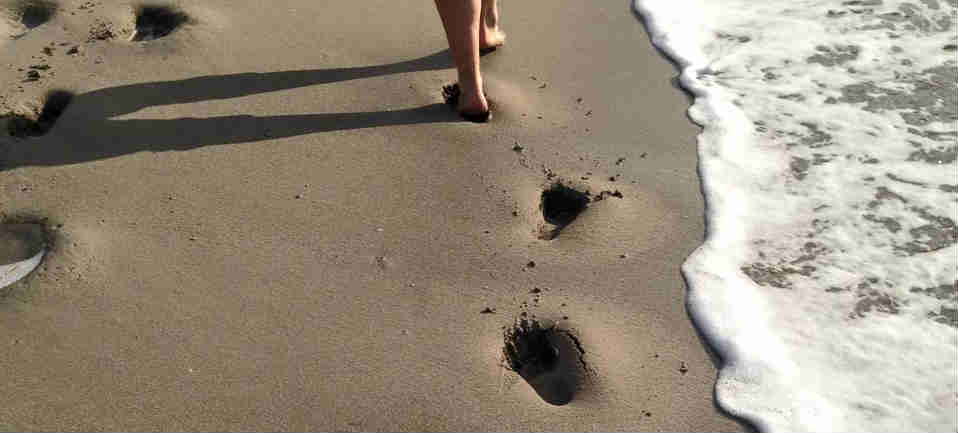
(490, 36)
(490, 39)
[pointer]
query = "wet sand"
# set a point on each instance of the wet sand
(267, 220)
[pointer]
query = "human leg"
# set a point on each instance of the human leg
(461, 20)
(490, 36)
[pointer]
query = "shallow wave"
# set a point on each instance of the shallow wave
(828, 278)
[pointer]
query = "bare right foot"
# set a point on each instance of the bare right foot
(471, 104)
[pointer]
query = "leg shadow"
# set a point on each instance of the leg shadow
(87, 130)
(78, 142)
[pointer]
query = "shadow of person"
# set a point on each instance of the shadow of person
(87, 130)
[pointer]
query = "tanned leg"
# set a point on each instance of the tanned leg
(490, 36)
(461, 19)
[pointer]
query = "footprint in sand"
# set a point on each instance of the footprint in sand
(560, 206)
(156, 21)
(39, 122)
(27, 13)
(549, 359)
(22, 247)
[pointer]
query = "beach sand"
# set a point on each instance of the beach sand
(267, 220)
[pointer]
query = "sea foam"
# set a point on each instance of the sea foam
(828, 278)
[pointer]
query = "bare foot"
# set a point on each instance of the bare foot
(490, 36)
(472, 106)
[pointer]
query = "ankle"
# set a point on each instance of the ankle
(490, 17)
(472, 101)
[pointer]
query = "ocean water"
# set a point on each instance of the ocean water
(828, 278)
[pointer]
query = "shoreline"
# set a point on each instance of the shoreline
(306, 246)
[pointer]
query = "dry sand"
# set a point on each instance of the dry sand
(267, 221)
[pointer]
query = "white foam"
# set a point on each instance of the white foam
(12, 272)
(828, 278)
(22, 248)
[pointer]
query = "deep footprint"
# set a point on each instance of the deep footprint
(155, 21)
(22, 247)
(549, 359)
(560, 206)
(37, 124)
(33, 13)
